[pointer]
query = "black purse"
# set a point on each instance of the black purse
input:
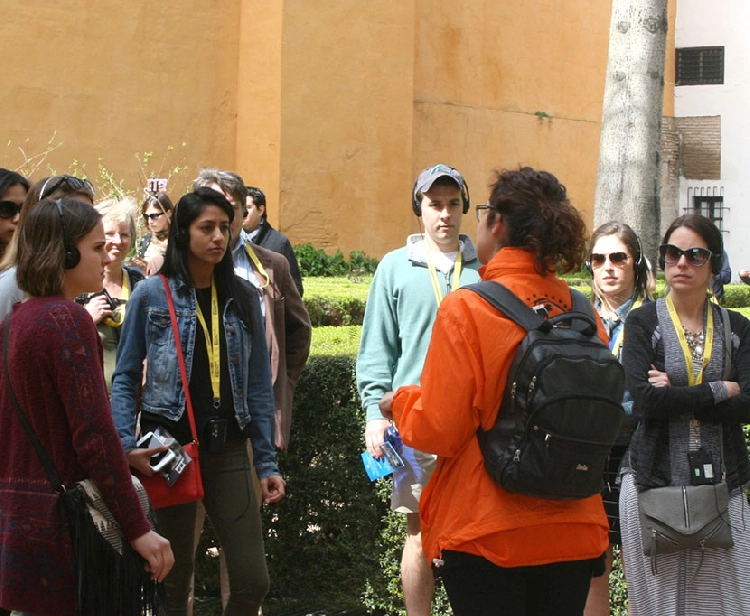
(109, 574)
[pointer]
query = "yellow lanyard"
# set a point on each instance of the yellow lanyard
(434, 277)
(707, 344)
(118, 315)
(621, 334)
(213, 346)
(125, 287)
(256, 261)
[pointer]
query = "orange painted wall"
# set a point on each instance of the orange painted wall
(332, 108)
(109, 79)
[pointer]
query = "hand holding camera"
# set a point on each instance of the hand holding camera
(168, 458)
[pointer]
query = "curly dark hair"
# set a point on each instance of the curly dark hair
(539, 217)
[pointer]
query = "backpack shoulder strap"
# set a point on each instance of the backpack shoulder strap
(507, 302)
(581, 303)
(581, 316)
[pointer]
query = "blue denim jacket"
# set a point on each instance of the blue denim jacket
(147, 334)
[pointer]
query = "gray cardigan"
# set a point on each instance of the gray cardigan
(654, 406)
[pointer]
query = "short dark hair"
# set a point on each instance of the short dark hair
(540, 219)
(42, 243)
(259, 199)
(189, 207)
(10, 178)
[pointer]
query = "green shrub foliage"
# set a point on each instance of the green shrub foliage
(316, 262)
(326, 311)
(321, 538)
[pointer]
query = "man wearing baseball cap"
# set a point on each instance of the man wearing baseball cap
(406, 291)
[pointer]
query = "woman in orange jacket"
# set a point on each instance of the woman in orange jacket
(498, 552)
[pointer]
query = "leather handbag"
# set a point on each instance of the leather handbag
(692, 517)
(109, 573)
(677, 518)
(189, 487)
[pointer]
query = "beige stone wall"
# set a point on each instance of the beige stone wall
(332, 108)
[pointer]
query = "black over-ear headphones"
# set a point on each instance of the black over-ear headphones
(640, 266)
(716, 262)
(72, 254)
(180, 236)
(442, 171)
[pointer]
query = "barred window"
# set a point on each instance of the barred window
(709, 201)
(699, 66)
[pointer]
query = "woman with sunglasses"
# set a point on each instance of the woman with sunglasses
(107, 306)
(54, 187)
(229, 382)
(620, 283)
(54, 367)
(690, 415)
(13, 189)
(157, 215)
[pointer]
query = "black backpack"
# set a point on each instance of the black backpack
(562, 407)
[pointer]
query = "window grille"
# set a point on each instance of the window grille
(709, 201)
(699, 66)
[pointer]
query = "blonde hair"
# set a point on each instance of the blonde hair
(120, 211)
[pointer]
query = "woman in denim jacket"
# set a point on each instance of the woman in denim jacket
(211, 304)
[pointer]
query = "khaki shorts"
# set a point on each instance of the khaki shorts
(409, 481)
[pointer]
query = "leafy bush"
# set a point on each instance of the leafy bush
(326, 311)
(316, 262)
(736, 295)
(336, 301)
(332, 512)
(340, 340)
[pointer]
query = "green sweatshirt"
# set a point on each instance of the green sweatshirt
(399, 314)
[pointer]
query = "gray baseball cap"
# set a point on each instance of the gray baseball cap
(428, 176)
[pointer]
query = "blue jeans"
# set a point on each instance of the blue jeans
(232, 508)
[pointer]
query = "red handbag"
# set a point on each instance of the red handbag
(189, 487)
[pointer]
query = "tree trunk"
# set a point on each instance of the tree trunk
(628, 182)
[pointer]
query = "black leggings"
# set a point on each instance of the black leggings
(477, 587)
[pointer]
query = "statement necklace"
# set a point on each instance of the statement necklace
(695, 341)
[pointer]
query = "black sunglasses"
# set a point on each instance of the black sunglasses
(694, 256)
(75, 184)
(8, 209)
(615, 258)
(154, 216)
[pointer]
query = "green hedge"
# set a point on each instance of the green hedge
(336, 301)
(341, 301)
(321, 537)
